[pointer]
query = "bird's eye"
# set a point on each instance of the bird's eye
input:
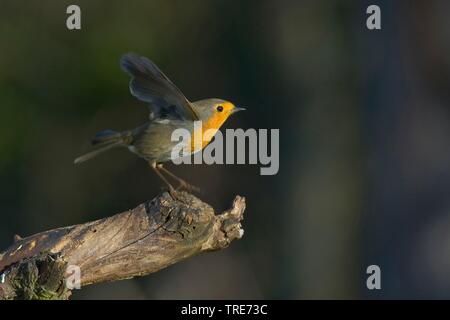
(219, 108)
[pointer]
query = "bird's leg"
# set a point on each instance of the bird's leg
(155, 167)
(182, 183)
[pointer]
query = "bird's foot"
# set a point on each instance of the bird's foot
(174, 193)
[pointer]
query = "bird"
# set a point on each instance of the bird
(169, 110)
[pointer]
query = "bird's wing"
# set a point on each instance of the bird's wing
(148, 83)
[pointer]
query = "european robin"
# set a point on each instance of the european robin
(169, 110)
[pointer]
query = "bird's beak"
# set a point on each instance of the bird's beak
(237, 109)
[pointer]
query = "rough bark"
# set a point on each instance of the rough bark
(137, 242)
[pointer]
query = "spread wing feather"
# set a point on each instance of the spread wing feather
(149, 84)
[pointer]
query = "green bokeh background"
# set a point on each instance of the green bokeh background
(364, 126)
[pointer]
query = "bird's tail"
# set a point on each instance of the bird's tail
(103, 141)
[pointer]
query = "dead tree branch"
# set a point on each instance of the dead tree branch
(134, 243)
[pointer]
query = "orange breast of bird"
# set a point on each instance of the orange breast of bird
(202, 136)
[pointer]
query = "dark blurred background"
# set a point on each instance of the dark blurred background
(364, 125)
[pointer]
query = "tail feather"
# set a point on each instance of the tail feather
(105, 136)
(104, 141)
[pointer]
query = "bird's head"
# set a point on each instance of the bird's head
(214, 112)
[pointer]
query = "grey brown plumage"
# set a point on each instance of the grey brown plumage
(169, 110)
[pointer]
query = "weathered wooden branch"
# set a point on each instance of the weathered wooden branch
(140, 241)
